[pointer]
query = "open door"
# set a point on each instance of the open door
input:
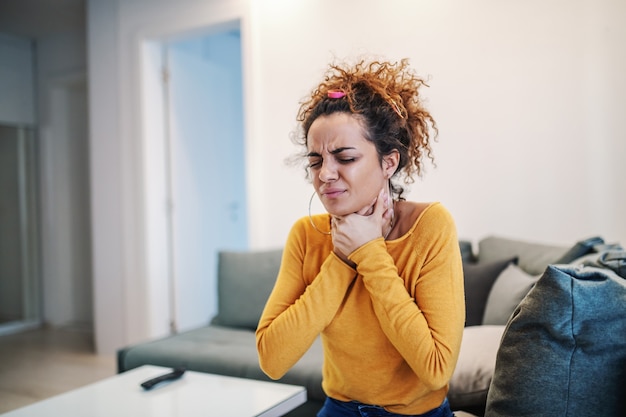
(208, 190)
(202, 175)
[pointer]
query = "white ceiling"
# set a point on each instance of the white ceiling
(37, 18)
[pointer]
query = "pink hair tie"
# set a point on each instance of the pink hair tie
(336, 94)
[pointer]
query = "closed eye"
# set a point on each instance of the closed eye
(340, 155)
(318, 163)
(315, 164)
(316, 160)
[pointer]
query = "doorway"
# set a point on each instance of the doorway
(195, 169)
(19, 234)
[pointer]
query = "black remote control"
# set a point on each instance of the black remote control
(170, 376)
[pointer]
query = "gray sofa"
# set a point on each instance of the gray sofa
(499, 273)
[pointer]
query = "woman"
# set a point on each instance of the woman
(379, 277)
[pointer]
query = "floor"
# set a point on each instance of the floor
(41, 363)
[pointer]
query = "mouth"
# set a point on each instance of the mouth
(333, 193)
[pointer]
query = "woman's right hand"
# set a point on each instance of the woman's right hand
(354, 230)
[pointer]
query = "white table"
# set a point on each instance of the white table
(195, 394)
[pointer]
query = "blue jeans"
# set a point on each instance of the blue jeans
(335, 408)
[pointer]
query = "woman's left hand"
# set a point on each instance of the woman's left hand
(354, 230)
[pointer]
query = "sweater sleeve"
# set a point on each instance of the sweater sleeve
(297, 310)
(424, 321)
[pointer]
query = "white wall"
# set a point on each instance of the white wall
(528, 96)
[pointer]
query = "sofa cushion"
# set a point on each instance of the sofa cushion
(563, 351)
(244, 283)
(532, 257)
(475, 367)
(223, 351)
(478, 280)
(507, 291)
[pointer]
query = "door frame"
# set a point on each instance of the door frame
(159, 227)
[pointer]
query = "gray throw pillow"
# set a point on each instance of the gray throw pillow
(507, 291)
(532, 257)
(563, 352)
(478, 279)
(244, 282)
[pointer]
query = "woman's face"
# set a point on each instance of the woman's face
(344, 166)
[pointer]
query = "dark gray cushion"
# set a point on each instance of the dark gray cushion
(564, 350)
(244, 282)
(478, 281)
(467, 252)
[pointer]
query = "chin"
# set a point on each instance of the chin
(340, 211)
(334, 210)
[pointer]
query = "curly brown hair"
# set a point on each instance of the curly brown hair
(386, 97)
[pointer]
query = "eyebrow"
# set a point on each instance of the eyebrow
(333, 152)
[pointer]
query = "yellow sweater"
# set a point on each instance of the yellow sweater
(391, 329)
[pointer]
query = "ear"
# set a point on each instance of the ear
(390, 163)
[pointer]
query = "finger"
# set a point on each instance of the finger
(382, 203)
(388, 214)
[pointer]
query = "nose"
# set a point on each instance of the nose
(328, 172)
